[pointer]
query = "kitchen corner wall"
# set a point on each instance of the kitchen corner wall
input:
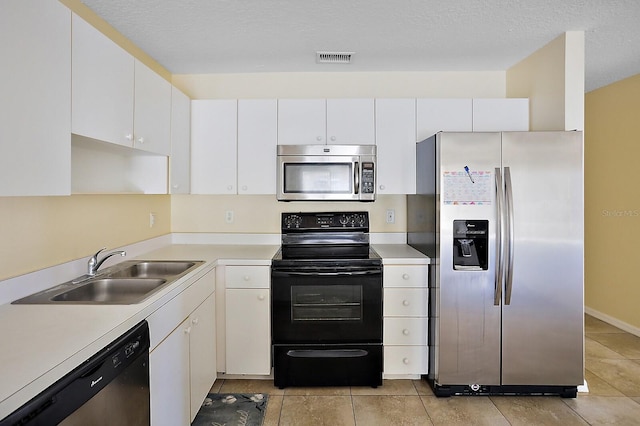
(612, 201)
(39, 232)
(553, 79)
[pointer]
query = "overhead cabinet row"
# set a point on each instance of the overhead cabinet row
(233, 142)
(115, 97)
(80, 113)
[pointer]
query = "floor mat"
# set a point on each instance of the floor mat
(235, 409)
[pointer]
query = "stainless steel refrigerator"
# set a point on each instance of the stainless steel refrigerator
(502, 216)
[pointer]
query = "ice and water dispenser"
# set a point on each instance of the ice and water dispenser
(470, 245)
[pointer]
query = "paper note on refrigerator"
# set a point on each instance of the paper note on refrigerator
(467, 188)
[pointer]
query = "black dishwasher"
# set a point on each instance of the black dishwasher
(110, 388)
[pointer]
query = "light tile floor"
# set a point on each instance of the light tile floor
(612, 360)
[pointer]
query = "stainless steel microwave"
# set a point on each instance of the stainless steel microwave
(326, 173)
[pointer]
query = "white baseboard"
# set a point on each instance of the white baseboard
(613, 321)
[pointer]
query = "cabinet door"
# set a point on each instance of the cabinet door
(396, 145)
(102, 86)
(350, 122)
(213, 146)
(35, 105)
(443, 115)
(248, 331)
(180, 159)
(257, 140)
(169, 379)
(152, 111)
(302, 121)
(501, 115)
(202, 352)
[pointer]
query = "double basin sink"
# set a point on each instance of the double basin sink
(126, 283)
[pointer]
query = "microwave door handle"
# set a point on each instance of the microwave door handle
(356, 177)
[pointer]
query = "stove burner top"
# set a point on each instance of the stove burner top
(326, 237)
(371, 258)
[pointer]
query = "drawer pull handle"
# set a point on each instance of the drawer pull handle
(405, 361)
(187, 330)
(405, 303)
(195, 321)
(247, 277)
(405, 332)
(405, 276)
(261, 297)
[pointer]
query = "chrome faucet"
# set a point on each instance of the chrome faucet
(94, 263)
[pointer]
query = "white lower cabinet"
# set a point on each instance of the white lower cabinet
(202, 352)
(248, 320)
(405, 328)
(169, 379)
(182, 361)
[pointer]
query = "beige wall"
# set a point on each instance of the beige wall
(261, 213)
(38, 232)
(553, 80)
(481, 84)
(612, 210)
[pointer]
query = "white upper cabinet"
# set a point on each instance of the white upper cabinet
(302, 121)
(501, 115)
(35, 106)
(102, 86)
(214, 125)
(257, 140)
(180, 160)
(350, 122)
(330, 121)
(396, 145)
(152, 111)
(116, 98)
(443, 115)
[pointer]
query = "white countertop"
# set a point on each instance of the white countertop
(400, 254)
(42, 343)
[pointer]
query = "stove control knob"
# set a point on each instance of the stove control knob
(344, 219)
(292, 221)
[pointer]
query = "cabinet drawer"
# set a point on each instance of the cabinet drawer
(247, 277)
(406, 360)
(406, 276)
(405, 331)
(405, 302)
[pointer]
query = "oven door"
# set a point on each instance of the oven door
(314, 304)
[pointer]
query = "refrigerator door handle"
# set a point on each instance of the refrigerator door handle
(497, 293)
(509, 226)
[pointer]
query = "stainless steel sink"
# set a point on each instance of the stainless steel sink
(111, 290)
(153, 269)
(126, 283)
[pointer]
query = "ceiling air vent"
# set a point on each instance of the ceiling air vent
(333, 57)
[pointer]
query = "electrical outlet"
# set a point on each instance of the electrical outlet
(391, 216)
(152, 219)
(228, 216)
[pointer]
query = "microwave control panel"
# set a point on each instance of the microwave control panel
(368, 179)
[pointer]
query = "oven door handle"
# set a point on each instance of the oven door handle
(327, 353)
(325, 274)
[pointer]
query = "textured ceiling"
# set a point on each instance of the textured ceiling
(247, 36)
